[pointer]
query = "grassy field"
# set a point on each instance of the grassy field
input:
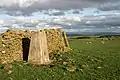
(91, 59)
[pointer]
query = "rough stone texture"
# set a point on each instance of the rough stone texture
(11, 43)
(56, 40)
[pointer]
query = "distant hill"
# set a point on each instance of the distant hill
(92, 33)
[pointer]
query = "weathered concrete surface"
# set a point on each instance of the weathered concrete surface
(38, 53)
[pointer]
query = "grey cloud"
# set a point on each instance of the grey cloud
(110, 6)
(58, 13)
(109, 20)
(53, 4)
(76, 12)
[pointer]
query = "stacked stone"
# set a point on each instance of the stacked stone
(56, 41)
(11, 43)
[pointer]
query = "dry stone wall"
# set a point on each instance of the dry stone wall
(11, 43)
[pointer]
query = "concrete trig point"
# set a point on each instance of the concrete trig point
(38, 53)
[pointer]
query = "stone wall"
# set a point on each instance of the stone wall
(11, 47)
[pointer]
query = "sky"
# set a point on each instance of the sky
(72, 15)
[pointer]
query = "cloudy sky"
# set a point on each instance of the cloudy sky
(71, 15)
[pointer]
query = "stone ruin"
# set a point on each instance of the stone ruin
(14, 43)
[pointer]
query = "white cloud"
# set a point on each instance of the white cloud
(20, 3)
(1, 21)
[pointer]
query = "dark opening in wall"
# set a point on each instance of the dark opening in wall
(25, 46)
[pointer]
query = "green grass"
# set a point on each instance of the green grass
(89, 61)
